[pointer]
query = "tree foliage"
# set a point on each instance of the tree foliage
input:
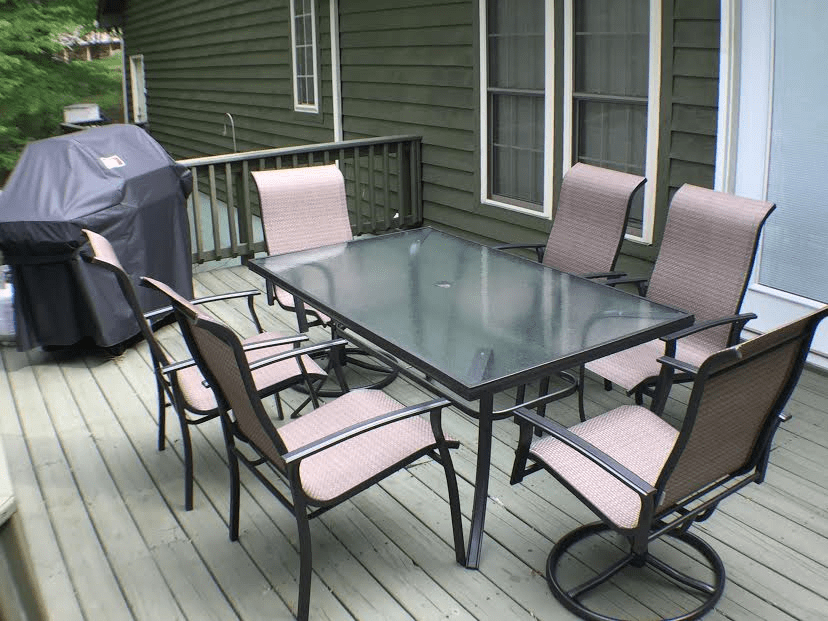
(35, 82)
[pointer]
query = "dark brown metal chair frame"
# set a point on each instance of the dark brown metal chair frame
(168, 389)
(290, 200)
(586, 237)
(200, 331)
(671, 511)
(748, 235)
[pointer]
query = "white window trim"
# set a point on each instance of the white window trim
(653, 114)
(296, 105)
(549, 125)
(138, 88)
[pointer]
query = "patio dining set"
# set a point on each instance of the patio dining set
(466, 322)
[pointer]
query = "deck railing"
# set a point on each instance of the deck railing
(382, 177)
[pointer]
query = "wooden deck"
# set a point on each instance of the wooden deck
(102, 511)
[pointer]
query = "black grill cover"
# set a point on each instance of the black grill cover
(114, 180)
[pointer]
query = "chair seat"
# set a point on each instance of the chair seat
(286, 300)
(339, 469)
(201, 398)
(633, 436)
(630, 367)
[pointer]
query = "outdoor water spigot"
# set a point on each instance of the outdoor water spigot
(232, 128)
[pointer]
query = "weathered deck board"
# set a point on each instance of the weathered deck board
(103, 510)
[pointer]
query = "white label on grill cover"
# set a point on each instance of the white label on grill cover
(113, 161)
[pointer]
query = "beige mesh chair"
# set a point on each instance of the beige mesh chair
(181, 384)
(703, 267)
(305, 208)
(646, 480)
(324, 457)
(590, 220)
(586, 236)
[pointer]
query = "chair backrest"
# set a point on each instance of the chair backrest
(590, 219)
(103, 255)
(303, 208)
(734, 406)
(706, 257)
(221, 359)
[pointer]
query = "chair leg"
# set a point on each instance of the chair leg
(186, 440)
(188, 464)
(235, 493)
(305, 561)
(543, 388)
(581, 374)
(162, 413)
(454, 506)
(570, 598)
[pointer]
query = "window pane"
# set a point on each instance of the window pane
(515, 48)
(611, 47)
(794, 250)
(303, 42)
(611, 62)
(517, 148)
(614, 135)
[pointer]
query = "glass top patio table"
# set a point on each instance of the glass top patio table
(475, 319)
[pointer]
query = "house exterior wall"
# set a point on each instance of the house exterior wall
(407, 67)
(205, 58)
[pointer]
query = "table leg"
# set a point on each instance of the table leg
(481, 481)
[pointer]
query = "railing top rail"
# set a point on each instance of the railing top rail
(308, 148)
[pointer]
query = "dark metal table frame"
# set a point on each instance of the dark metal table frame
(480, 382)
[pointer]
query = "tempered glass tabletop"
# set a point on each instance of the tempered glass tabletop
(474, 318)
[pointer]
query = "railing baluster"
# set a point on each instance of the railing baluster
(232, 218)
(372, 199)
(357, 191)
(416, 182)
(386, 196)
(214, 213)
(246, 213)
(199, 231)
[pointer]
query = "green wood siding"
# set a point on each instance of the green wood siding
(207, 57)
(695, 93)
(409, 66)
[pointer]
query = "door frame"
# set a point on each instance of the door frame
(743, 157)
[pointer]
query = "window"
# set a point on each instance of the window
(515, 119)
(303, 30)
(611, 106)
(139, 89)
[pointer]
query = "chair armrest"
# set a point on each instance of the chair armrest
(206, 300)
(363, 427)
(594, 454)
(678, 365)
(543, 399)
(613, 276)
(539, 248)
(296, 352)
(287, 340)
(638, 281)
(710, 323)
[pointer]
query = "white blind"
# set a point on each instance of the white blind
(795, 248)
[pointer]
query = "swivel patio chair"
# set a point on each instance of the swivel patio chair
(587, 232)
(180, 384)
(703, 267)
(305, 208)
(646, 480)
(326, 456)
(590, 220)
